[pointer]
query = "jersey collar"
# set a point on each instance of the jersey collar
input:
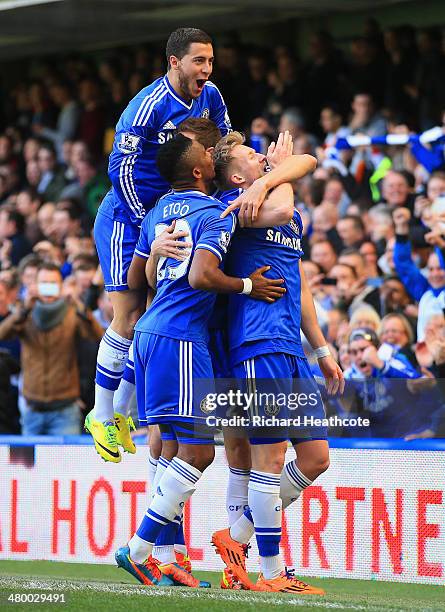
(174, 95)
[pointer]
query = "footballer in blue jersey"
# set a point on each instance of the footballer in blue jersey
(149, 121)
(265, 349)
(170, 341)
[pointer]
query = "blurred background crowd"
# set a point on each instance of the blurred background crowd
(373, 215)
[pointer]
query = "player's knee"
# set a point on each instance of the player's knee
(169, 449)
(200, 457)
(316, 466)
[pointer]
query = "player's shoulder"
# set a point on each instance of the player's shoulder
(212, 91)
(228, 195)
(147, 101)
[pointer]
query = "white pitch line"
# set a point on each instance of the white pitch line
(15, 582)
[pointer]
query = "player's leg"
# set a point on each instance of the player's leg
(122, 399)
(239, 462)
(115, 243)
(310, 443)
(162, 362)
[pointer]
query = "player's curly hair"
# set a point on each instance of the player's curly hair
(179, 41)
(222, 158)
(172, 159)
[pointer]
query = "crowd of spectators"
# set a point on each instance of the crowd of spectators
(374, 218)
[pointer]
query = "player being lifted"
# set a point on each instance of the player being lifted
(149, 121)
(266, 351)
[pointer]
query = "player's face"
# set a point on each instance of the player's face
(248, 164)
(194, 69)
(204, 162)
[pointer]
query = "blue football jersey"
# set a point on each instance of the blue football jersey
(256, 327)
(179, 311)
(149, 121)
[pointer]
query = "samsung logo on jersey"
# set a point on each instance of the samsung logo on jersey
(164, 137)
(176, 208)
(276, 236)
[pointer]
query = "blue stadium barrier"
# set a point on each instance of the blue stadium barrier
(431, 444)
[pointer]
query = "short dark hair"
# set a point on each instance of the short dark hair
(358, 221)
(49, 266)
(171, 159)
(179, 41)
(71, 206)
(205, 130)
(351, 268)
(15, 217)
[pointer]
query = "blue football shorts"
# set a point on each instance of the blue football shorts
(284, 388)
(115, 244)
(172, 380)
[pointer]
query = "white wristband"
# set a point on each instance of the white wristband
(247, 286)
(322, 351)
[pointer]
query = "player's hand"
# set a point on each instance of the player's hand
(168, 244)
(280, 150)
(249, 203)
(335, 381)
(266, 289)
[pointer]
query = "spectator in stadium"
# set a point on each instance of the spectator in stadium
(89, 186)
(395, 408)
(52, 180)
(365, 119)
(323, 254)
(13, 243)
(396, 337)
(380, 226)
(429, 291)
(48, 328)
(331, 122)
(66, 221)
(92, 116)
(351, 230)
(364, 316)
(396, 190)
(368, 251)
(28, 203)
(28, 269)
(67, 120)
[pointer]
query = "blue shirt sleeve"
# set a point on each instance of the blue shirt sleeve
(143, 246)
(414, 281)
(432, 159)
(218, 110)
(216, 235)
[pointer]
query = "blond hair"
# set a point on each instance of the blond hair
(403, 320)
(364, 312)
(222, 157)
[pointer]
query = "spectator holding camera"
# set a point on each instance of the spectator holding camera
(48, 327)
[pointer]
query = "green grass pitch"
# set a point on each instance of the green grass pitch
(104, 587)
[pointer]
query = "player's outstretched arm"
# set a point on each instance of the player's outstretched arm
(206, 275)
(309, 325)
